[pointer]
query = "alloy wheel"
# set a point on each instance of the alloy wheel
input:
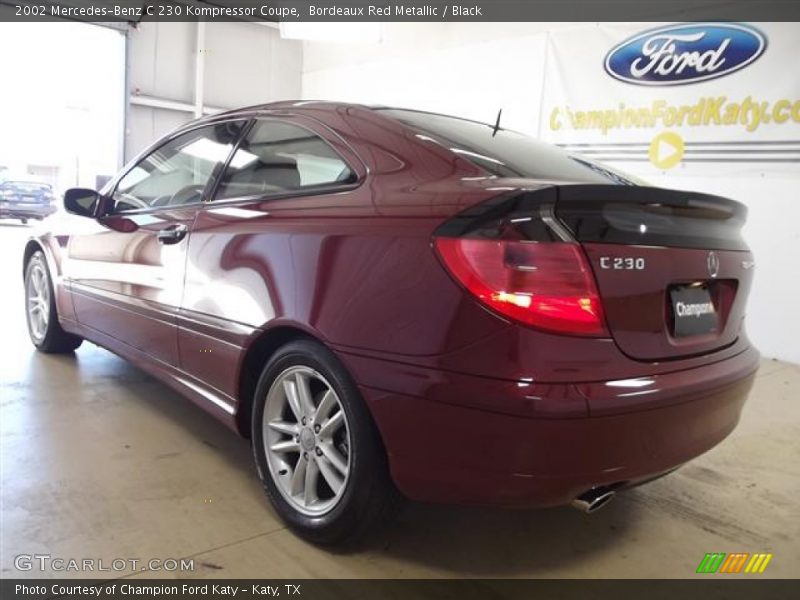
(306, 440)
(38, 301)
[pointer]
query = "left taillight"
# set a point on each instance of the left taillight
(547, 285)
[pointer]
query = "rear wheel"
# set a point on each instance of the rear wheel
(24, 221)
(318, 453)
(40, 309)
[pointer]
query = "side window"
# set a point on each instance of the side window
(177, 172)
(278, 157)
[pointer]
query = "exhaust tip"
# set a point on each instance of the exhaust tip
(593, 500)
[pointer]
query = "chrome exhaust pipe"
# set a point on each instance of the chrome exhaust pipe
(594, 499)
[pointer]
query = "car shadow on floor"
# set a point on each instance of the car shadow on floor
(491, 542)
(481, 542)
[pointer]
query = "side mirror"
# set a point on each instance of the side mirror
(82, 202)
(119, 223)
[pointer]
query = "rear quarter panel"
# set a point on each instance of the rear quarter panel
(356, 281)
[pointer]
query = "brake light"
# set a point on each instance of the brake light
(547, 285)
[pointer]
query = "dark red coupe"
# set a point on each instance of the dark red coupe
(389, 300)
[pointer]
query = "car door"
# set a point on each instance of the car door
(126, 272)
(246, 242)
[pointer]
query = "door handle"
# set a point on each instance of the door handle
(172, 234)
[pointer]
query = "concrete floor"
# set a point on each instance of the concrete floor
(101, 461)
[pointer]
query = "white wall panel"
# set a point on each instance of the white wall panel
(245, 64)
(250, 64)
(161, 59)
(468, 81)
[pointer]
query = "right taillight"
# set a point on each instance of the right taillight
(547, 285)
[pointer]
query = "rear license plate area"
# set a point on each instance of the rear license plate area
(693, 311)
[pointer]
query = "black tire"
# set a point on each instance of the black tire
(53, 339)
(369, 497)
(24, 221)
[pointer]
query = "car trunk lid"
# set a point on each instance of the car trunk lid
(672, 268)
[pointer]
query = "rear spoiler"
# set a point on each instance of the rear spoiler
(651, 216)
(613, 214)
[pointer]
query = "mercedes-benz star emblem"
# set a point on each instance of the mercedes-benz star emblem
(712, 264)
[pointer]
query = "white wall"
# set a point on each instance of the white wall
(245, 64)
(472, 70)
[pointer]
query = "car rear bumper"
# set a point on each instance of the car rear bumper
(10, 211)
(545, 444)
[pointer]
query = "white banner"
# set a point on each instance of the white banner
(656, 99)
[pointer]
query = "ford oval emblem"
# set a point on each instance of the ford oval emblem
(681, 54)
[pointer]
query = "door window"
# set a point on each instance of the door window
(177, 172)
(277, 157)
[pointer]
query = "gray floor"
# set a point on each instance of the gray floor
(101, 461)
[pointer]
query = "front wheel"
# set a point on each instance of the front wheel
(40, 304)
(317, 450)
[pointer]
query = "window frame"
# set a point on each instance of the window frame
(309, 191)
(210, 184)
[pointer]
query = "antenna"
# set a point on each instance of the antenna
(497, 123)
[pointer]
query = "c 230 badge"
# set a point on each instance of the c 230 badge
(682, 54)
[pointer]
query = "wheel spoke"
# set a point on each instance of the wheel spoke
(284, 427)
(312, 476)
(332, 478)
(40, 283)
(297, 485)
(35, 283)
(336, 459)
(37, 326)
(285, 446)
(292, 399)
(330, 426)
(304, 393)
(326, 404)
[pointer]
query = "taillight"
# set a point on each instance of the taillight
(547, 285)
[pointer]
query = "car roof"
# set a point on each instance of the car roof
(321, 105)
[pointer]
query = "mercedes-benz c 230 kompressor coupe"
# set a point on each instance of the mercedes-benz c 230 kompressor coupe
(389, 300)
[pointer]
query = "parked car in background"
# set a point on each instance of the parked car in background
(388, 300)
(25, 200)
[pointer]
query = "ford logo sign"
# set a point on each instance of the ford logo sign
(681, 54)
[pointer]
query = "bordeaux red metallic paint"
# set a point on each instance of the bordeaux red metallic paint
(471, 407)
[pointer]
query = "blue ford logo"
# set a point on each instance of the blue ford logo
(681, 54)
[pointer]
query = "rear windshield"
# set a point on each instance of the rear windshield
(506, 153)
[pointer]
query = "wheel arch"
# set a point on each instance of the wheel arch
(32, 246)
(256, 356)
